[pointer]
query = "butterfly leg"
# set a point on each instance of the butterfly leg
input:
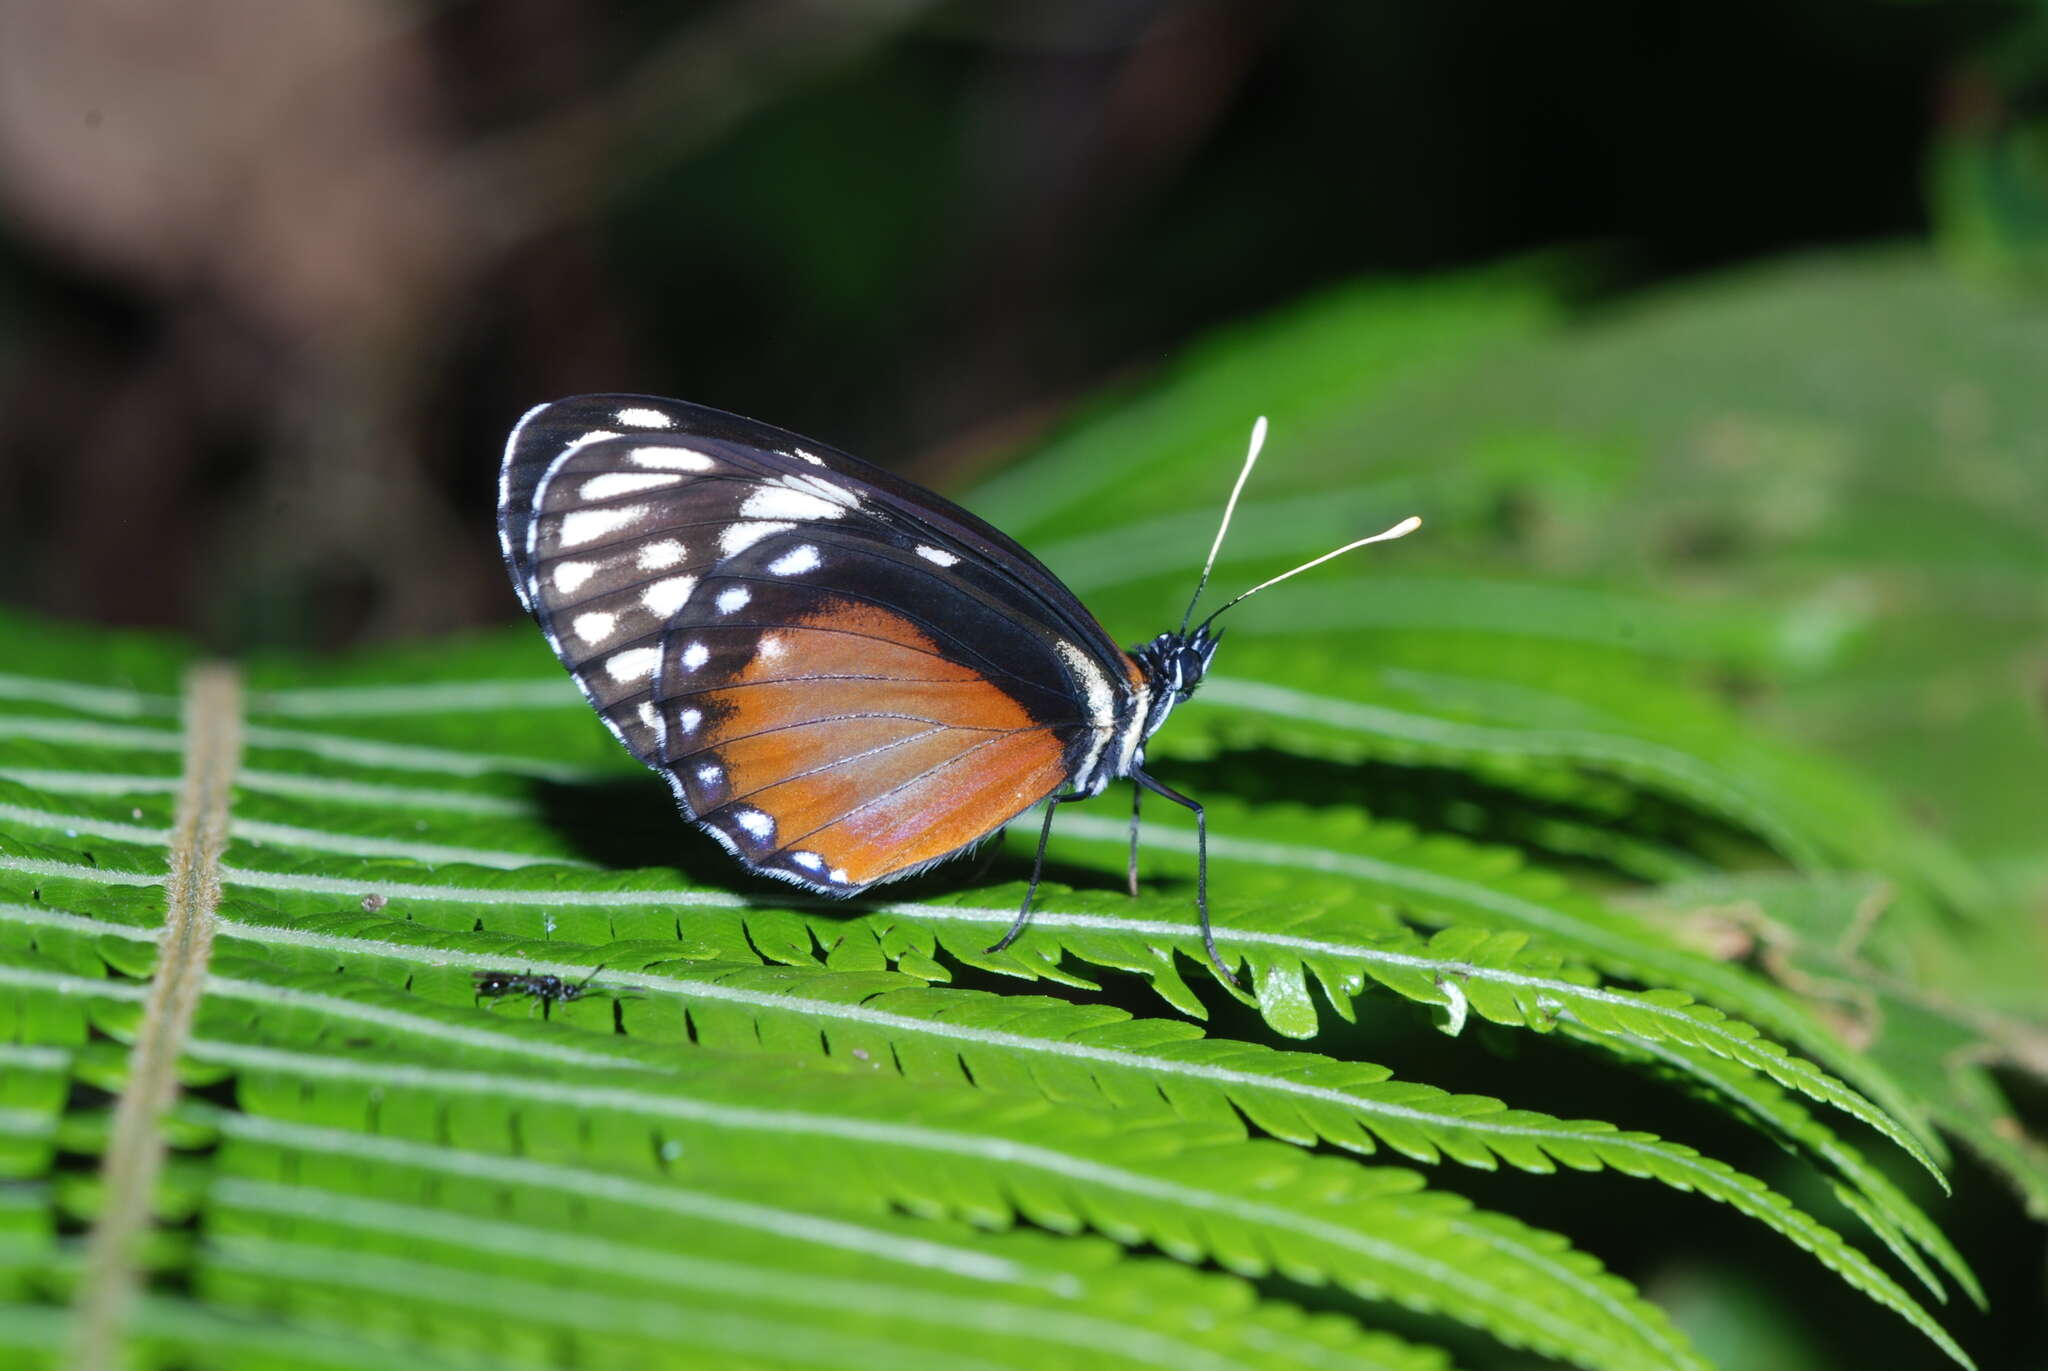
(1037, 866)
(1201, 865)
(1131, 868)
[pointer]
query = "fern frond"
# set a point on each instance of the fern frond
(1193, 1191)
(1101, 1056)
(1372, 1231)
(1576, 923)
(1046, 1301)
(1310, 366)
(1848, 947)
(1901, 1225)
(1442, 879)
(1098, 1053)
(1052, 1050)
(1492, 974)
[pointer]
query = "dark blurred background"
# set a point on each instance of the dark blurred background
(276, 278)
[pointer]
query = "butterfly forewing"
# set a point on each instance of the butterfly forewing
(542, 435)
(616, 542)
(843, 678)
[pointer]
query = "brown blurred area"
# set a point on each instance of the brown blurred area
(292, 217)
(275, 278)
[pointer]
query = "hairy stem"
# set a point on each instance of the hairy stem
(135, 1149)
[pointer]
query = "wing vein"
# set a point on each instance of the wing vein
(840, 719)
(840, 761)
(874, 800)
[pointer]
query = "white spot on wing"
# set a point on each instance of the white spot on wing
(837, 875)
(636, 416)
(710, 774)
(824, 487)
(813, 458)
(665, 597)
(1094, 685)
(800, 495)
(580, 526)
(662, 555)
(936, 554)
(769, 648)
(669, 459)
(737, 538)
(757, 824)
(796, 561)
(595, 626)
(695, 655)
(648, 717)
(780, 502)
(809, 861)
(690, 718)
(612, 484)
(733, 598)
(634, 664)
(569, 576)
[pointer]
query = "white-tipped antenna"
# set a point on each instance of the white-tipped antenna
(1400, 530)
(1250, 459)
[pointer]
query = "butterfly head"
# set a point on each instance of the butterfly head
(1173, 665)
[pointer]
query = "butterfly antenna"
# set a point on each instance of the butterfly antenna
(1250, 459)
(1400, 530)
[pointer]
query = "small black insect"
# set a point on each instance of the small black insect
(549, 990)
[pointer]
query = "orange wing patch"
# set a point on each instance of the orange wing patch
(861, 635)
(978, 791)
(869, 750)
(761, 760)
(808, 798)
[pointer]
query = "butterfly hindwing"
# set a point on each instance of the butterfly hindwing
(826, 711)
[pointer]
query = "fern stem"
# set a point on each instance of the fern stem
(135, 1152)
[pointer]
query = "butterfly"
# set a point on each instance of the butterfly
(844, 678)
